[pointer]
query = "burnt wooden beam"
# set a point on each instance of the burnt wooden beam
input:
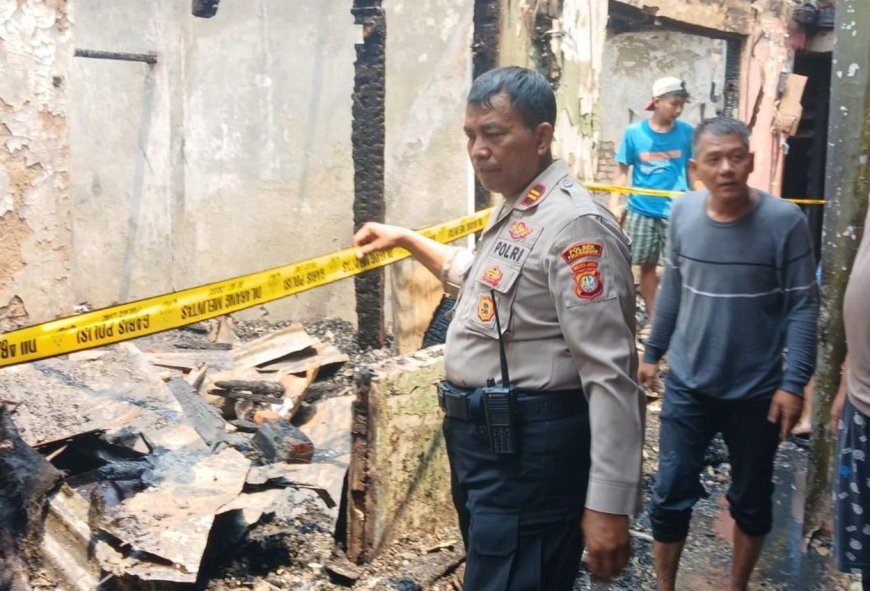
(368, 137)
(26, 479)
(485, 46)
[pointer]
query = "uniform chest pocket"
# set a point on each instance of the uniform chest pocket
(494, 290)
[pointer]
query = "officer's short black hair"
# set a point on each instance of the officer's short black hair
(530, 93)
(719, 126)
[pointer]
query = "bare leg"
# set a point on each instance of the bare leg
(648, 285)
(805, 423)
(667, 560)
(746, 551)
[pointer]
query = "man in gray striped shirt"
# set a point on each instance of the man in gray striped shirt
(738, 291)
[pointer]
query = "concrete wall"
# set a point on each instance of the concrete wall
(426, 167)
(231, 155)
(35, 55)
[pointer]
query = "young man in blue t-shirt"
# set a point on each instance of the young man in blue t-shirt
(657, 150)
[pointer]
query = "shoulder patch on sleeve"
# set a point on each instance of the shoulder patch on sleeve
(579, 250)
(587, 280)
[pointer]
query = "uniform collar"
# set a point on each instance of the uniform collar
(536, 191)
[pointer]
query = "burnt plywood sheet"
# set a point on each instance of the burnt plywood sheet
(60, 398)
(172, 519)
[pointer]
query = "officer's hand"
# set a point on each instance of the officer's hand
(785, 409)
(647, 373)
(375, 237)
(837, 411)
(607, 541)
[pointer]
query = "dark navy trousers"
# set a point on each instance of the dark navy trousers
(520, 515)
(689, 421)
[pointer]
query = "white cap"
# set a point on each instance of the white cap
(667, 85)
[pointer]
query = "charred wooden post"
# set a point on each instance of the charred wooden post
(484, 57)
(368, 137)
(25, 481)
(847, 185)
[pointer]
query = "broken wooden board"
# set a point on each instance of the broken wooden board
(329, 430)
(190, 360)
(57, 399)
(288, 341)
(294, 387)
(789, 108)
(325, 356)
(399, 477)
(205, 418)
(172, 520)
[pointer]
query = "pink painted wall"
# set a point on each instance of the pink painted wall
(768, 55)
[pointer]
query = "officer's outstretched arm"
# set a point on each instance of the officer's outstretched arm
(375, 237)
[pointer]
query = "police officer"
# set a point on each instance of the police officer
(552, 270)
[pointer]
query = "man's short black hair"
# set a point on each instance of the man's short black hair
(719, 126)
(530, 93)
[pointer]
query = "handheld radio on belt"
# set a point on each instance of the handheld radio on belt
(500, 403)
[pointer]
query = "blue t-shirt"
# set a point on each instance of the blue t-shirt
(659, 161)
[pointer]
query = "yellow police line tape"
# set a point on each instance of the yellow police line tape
(173, 310)
(180, 308)
(671, 194)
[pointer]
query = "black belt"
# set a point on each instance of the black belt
(465, 403)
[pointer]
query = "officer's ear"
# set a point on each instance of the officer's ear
(543, 138)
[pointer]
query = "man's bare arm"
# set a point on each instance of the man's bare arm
(621, 178)
(375, 237)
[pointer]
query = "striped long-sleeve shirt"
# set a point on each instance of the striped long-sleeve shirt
(734, 297)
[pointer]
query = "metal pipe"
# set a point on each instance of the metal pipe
(148, 58)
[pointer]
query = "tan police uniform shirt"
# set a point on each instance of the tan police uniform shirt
(557, 267)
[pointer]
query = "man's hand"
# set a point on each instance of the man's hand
(607, 541)
(647, 373)
(375, 237)
(785, 409)
(837, 411)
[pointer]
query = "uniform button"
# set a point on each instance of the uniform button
(481, 429)
(567, 183)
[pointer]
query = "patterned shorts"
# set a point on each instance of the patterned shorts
(852, 492)
(648, 236)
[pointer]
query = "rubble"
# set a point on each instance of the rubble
(161, 490)
(152, 470)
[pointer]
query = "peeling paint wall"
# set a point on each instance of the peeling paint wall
(231, 155)
(564, 41)
(35, 55)
(768, 57)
